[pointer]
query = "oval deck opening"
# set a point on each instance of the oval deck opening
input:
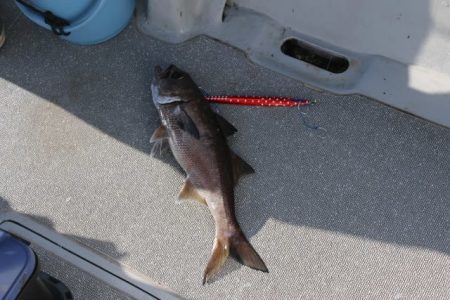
(315, 56)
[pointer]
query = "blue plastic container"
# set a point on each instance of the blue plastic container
(17, 264)
(91, 21)
(20, 275)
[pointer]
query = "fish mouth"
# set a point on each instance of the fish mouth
(171, 85)
(172, 72)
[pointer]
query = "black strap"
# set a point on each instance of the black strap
(56, 23)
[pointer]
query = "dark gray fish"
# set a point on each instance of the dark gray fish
(197, 138)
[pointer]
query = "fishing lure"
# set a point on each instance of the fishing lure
(260, 101)
(266, 101)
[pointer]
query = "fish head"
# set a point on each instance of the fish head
(173, 85)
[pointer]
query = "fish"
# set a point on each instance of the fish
(196, 136)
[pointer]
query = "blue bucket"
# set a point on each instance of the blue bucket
(91, 21)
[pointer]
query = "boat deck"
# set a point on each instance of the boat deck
(359, 209)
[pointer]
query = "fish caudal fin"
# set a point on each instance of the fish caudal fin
(237, 246)
(243, 251)
(219, 254)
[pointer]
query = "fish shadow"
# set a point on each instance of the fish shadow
(386, 181)
(230, 266)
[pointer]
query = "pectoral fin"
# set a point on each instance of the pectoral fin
(159, 147)
(227, 128)
(240, 167)
(159, 134)
(186, 123)
(159, 141)
(188, 191)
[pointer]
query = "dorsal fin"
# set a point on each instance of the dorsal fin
(240, 167)
(227, 128)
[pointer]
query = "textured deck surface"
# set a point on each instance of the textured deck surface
(358, 210)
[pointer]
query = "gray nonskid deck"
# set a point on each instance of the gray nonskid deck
(358, 210)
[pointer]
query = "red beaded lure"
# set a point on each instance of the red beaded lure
(259, 101)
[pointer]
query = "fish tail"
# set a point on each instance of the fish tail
(219, 254)
(237, 246)
(243, 251)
